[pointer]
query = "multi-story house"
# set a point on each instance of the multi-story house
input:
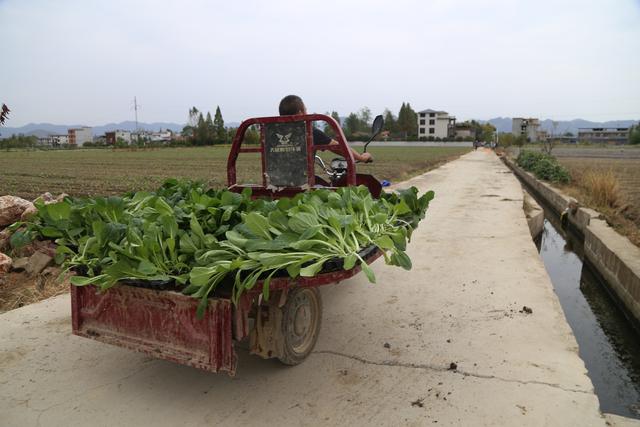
(79, 136)
(58, 140)
(112, 137)
(527, 127)
(436, 124)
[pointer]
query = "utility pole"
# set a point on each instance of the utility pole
(135, 107)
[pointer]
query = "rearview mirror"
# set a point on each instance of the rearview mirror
(376, 128)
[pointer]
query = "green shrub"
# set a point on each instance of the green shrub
(543, 166)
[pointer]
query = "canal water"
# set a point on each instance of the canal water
(608, 344)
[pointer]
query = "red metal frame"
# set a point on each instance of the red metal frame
(236, 148)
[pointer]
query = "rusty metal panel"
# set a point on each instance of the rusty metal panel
(159, 323)
(285, 155)
(341, 149)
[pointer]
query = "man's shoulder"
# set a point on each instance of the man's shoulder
(320, 138)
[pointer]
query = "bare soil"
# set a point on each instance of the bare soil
(18, 289)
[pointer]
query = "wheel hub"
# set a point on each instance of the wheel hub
(304, 313)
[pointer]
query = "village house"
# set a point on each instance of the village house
(435, 124)
(78, 136)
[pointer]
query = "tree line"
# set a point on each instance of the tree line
(18, 141)
(203, 130)
(403, 126)
(358, 125)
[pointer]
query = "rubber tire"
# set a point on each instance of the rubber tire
(290, 355)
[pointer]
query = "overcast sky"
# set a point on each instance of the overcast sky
(82, 62)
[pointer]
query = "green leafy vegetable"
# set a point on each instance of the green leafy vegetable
(203, 238)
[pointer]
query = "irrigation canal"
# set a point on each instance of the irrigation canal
(608, 344)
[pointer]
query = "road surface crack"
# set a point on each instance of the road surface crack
(447, 368)
(83, 394)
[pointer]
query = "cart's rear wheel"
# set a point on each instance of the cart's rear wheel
(301, 318)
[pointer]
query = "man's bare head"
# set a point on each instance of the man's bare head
(291, 105)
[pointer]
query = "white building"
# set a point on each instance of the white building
(604, 135)
(436, 124)
(162, 136)
(529, 128)
(124, 134)
(53, 140)
(45, 141)
(112, 138)
(464, 131)
(58, 140)
(79, 136)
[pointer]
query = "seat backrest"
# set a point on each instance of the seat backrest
(285, 155)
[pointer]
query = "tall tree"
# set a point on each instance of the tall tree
(189, 130)
(488, 131)
(352, 124)
(336, 117)
(211, 130)
(201, 131)
(327, 129)
(220, 133)
(365, 118)
(390, 123)
(634, 135)
(406, 120)
(413, 121)
(193, 117)
(252, 135)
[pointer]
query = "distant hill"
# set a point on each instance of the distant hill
(44, 129)
(503, 124)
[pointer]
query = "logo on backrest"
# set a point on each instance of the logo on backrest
(284, 139)
(285, 145)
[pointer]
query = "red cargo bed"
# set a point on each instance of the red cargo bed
(162, 324)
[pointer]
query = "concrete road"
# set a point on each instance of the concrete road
(384, 353)
(413, 144)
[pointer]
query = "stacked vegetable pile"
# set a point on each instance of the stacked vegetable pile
(200, 238)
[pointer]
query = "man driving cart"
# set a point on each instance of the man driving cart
(292, 105)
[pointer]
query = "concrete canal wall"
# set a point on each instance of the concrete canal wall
(534, 214)
(613, 255)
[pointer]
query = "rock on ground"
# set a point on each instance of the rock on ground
(5, 263)
(11, 208)
(5, 235)
(38, 262)
(20, 263)
(44, 246)
(28, 213)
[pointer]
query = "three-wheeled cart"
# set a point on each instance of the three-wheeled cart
(163, 323)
